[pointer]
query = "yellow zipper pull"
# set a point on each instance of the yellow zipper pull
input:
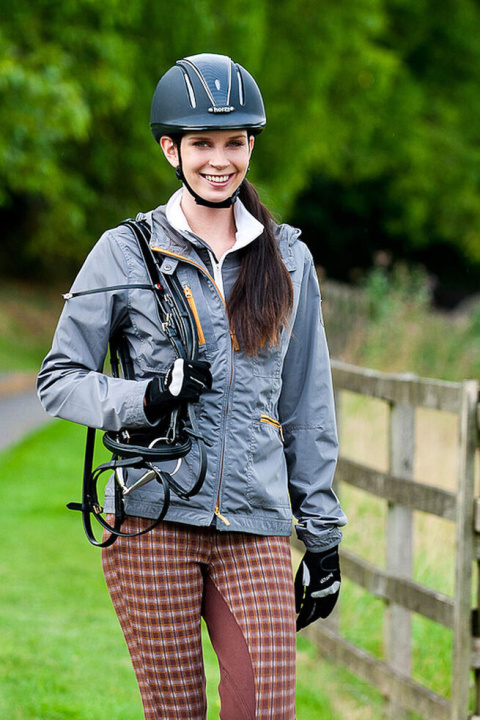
(219, 515)
(271, 421)
(193, 308)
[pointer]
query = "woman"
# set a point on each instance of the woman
(262, 385)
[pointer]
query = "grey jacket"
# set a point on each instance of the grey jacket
(269, 419)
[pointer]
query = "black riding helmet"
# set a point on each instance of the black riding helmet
(206, 92)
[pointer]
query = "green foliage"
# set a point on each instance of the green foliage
(402, 290)
(437, 182)
(358, 92)
(409, 159)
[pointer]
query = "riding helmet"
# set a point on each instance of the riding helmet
(206, 92)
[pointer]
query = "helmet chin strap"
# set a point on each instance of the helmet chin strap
(201, 201)
(198, 199)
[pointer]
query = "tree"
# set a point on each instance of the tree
(418, 194)
(363, 94)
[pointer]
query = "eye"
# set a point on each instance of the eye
(200, 143)
(237, 143)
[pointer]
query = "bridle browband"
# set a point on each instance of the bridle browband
(138, 449)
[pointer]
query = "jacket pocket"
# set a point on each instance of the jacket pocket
(268, 362)
(193, 308)
(267, 485)
(271, 421)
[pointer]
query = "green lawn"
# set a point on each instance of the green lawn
(62, 655)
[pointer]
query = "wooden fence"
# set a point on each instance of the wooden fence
(393, 583)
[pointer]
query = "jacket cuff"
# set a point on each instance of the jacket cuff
(135, 405)
(324, 540)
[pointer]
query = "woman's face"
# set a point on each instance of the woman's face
(214, 162)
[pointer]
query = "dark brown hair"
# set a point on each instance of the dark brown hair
(262, 298)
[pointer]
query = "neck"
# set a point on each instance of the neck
(214, 225)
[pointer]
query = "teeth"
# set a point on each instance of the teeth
(217, 178)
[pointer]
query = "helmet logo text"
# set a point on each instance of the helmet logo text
(225, 109)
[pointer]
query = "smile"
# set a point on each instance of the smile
(218, 179)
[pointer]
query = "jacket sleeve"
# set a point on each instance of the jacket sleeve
(307, 414)
(71, 383)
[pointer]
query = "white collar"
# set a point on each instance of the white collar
(248, 227)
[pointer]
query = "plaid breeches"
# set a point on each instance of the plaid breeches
(163, 582)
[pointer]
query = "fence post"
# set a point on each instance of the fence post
(462, 637)
(399, 545)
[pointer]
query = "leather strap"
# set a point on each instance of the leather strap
(180, 328)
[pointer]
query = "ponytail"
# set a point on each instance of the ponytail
(262, 298)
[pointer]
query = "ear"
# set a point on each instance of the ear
(251, 142)
(170, 150)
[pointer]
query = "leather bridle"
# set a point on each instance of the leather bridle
(145, 450)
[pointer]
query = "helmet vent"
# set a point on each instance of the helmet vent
(190, 90)
(241, 92)
(218, 84)
(190, 64)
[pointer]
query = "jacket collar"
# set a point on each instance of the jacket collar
(183, 241)
(248, 227)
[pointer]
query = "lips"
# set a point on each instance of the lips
(218, 179)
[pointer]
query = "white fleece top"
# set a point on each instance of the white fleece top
(248, 229)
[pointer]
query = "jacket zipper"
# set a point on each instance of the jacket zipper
(205, 272)
(193, 308)
(217, 506)
(234, 346)
(271, 421)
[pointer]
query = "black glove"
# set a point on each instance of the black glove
(317, 586)
(185, 381)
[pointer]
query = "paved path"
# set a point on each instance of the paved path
(20, 410)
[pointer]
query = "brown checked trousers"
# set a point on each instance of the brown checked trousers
(163, 582)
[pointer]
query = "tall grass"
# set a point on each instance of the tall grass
(390, 325)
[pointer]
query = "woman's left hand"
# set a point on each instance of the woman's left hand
(317, 586)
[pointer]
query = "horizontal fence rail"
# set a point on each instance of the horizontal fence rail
(413, 596)
(394, 585)
(405, 388)
(409, 493)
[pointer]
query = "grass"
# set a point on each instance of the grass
(63, 654)
(390, 325)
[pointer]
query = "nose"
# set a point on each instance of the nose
(218, 158)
